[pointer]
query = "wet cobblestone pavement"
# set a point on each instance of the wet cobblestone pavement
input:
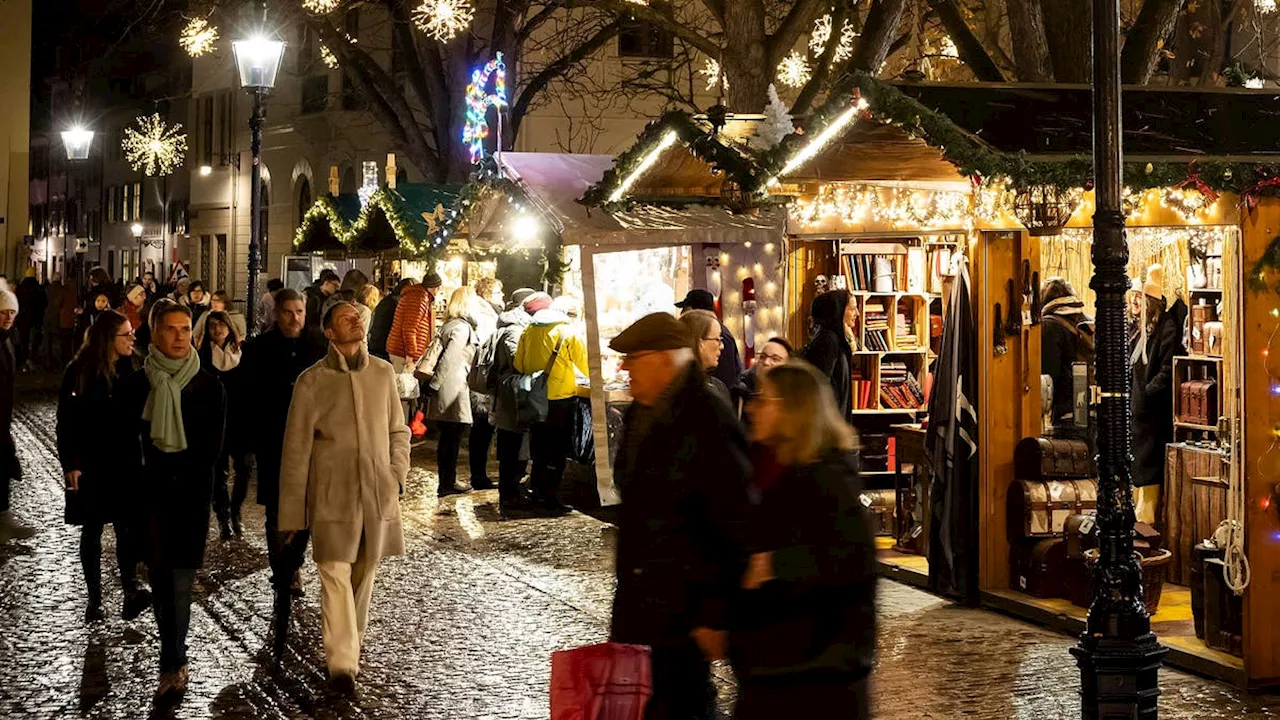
(462, 626)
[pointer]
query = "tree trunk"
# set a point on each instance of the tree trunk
(1031, 50)
(1069, 30)
(878, 35)
(968, 46)
(1141, 52)
(746, 56)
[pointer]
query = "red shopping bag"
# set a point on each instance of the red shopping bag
(417, 427)
(610, 681)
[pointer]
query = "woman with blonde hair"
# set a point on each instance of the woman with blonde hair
(805, 631)
(707, 343)
(449, 396)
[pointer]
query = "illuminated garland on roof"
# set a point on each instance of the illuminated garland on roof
(322, 210)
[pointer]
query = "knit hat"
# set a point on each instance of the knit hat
(537, 301)
(8, 301)
(432, 280)
(1154, 287)
(519, 296)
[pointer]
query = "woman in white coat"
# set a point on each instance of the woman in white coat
(449, 406)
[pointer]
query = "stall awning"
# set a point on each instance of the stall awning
(555, 181)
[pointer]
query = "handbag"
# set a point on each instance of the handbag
(407, 386)
(528, 393)
(609, 681)
(425, 370)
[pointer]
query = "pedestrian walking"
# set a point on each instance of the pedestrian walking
(681, 469)
(220, 356)
(729, 365)
(549, 344)
(319, 291)
(833, 315)
(448, 394)
(150, 286)
(198, 300)
(485, 308)
(512, 437)
(270, 365)
(90, 437)
(10, 469)
(346, 458)
(265, 316)
(220, 301)
(804, 633)
(30, 322)
(49, 350)
(180, 414)
(413, 322)
(707, 345)
(383, 317)
(367, 299)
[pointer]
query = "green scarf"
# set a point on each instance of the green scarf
(164, 404)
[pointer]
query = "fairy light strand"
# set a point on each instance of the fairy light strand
(479, 100)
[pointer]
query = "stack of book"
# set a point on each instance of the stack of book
(875, 321)
(899, 389)
(875, 273)
(905, 335)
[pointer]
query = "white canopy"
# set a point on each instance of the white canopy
(555, 181)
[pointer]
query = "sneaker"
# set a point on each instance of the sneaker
(456, 488)
(136, 603)
(550, 507)
(11, 529)
(182, 678)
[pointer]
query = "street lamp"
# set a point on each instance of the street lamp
(258, 60)
(136, 229)
(77, 141)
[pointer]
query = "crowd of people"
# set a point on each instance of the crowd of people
(740, 534)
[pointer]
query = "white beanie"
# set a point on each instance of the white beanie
(8, 301)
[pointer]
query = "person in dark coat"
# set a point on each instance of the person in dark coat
(513, 455)
(10, 469)
(179, 413)
(681, 469)
(270, 365)
(32, 303)
(325, 285)
(99, 304)
(90, 436)
(220, 356)
(1156, 340)
(708, 347)
(1066, 337)
(383, 317)
(804, 632)
(729, 365)
(833, 314)
(774, 353)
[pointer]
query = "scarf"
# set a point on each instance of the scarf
(223, 359)
(164, 403)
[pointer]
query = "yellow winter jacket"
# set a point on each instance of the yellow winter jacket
(536, 346)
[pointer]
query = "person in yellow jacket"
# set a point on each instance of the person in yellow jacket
(549, 441)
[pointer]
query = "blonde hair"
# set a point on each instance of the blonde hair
(484, 287)
(368, 296)
(811, 424)
(459, 306)
(699, 324)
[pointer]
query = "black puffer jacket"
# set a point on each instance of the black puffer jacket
(816, 621)
(380, 326)
(1152, 395)
(829, 351)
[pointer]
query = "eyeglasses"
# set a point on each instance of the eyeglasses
(714, 339)
(128, 334)
(772, 358)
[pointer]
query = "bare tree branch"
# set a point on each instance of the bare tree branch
(798, 19)
(557, 68)
(1030, 46)
(967, 44)
(820, 76)
(878, 35)
(644, 12)
(1142, 46)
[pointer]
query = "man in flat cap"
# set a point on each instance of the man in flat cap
(682, 471)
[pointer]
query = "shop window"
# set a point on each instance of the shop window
(315, 94)
(643, 39)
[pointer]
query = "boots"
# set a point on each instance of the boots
(225, 524)
(11, 529)
(236, 526)
(93, 581)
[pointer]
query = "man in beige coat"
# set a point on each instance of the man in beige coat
(346, 456)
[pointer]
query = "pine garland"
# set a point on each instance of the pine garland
(322, 227)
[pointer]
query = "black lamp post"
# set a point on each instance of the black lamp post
(258, 60)
(78, 143)
(1118, 655)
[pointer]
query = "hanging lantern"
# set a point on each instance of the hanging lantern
(1045, 209)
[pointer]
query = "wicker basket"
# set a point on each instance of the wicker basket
(1153, 562)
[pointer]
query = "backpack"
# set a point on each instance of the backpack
(528, 393)
(478, 377)
(1086, 345)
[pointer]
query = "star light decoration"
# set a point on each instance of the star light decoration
(320, 7)
(154, 148)
(794, 70)
(712, 72)
(198, 37)
(443, 19)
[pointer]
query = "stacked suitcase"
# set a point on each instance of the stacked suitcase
(1055, 481)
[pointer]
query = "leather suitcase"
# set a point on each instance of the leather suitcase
(1038, 568)
(1199, 554)
(1081, 533)
(881, 506)
(1200, 316)
(1223, 611)
(1039, 509)
(1185, 413)
(1043, 458)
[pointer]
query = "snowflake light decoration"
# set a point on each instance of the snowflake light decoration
(153, 147)
(820, 35)
(794, 70)
(1266, 7)
(443, 19)
(711, 71)
(198, 37)
(844, 50)
(320, 7)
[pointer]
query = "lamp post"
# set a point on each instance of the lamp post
(78, 143)
(1118, 655)
(136, 229)
(258, 61)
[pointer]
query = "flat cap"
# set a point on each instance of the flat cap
(657, 331)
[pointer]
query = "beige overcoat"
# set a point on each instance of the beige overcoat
(345, 460)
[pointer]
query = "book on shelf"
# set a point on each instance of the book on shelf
(899, 389)
(875, 273)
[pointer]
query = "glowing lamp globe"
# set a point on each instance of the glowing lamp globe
(258, 60)
(137, 229)
(77, 141)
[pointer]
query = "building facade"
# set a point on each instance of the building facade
(15, 129)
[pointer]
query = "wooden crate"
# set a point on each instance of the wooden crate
(1195, 502)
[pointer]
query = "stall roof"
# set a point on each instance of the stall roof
(870, 152)
(555, 181)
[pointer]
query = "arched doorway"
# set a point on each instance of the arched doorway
(304, 198)
(348, 185)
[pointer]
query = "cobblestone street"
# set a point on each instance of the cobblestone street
(462, 626)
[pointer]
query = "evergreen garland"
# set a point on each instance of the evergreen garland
(322, 229)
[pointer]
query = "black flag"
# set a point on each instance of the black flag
(952, 444)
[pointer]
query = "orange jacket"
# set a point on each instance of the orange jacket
(413, 324)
